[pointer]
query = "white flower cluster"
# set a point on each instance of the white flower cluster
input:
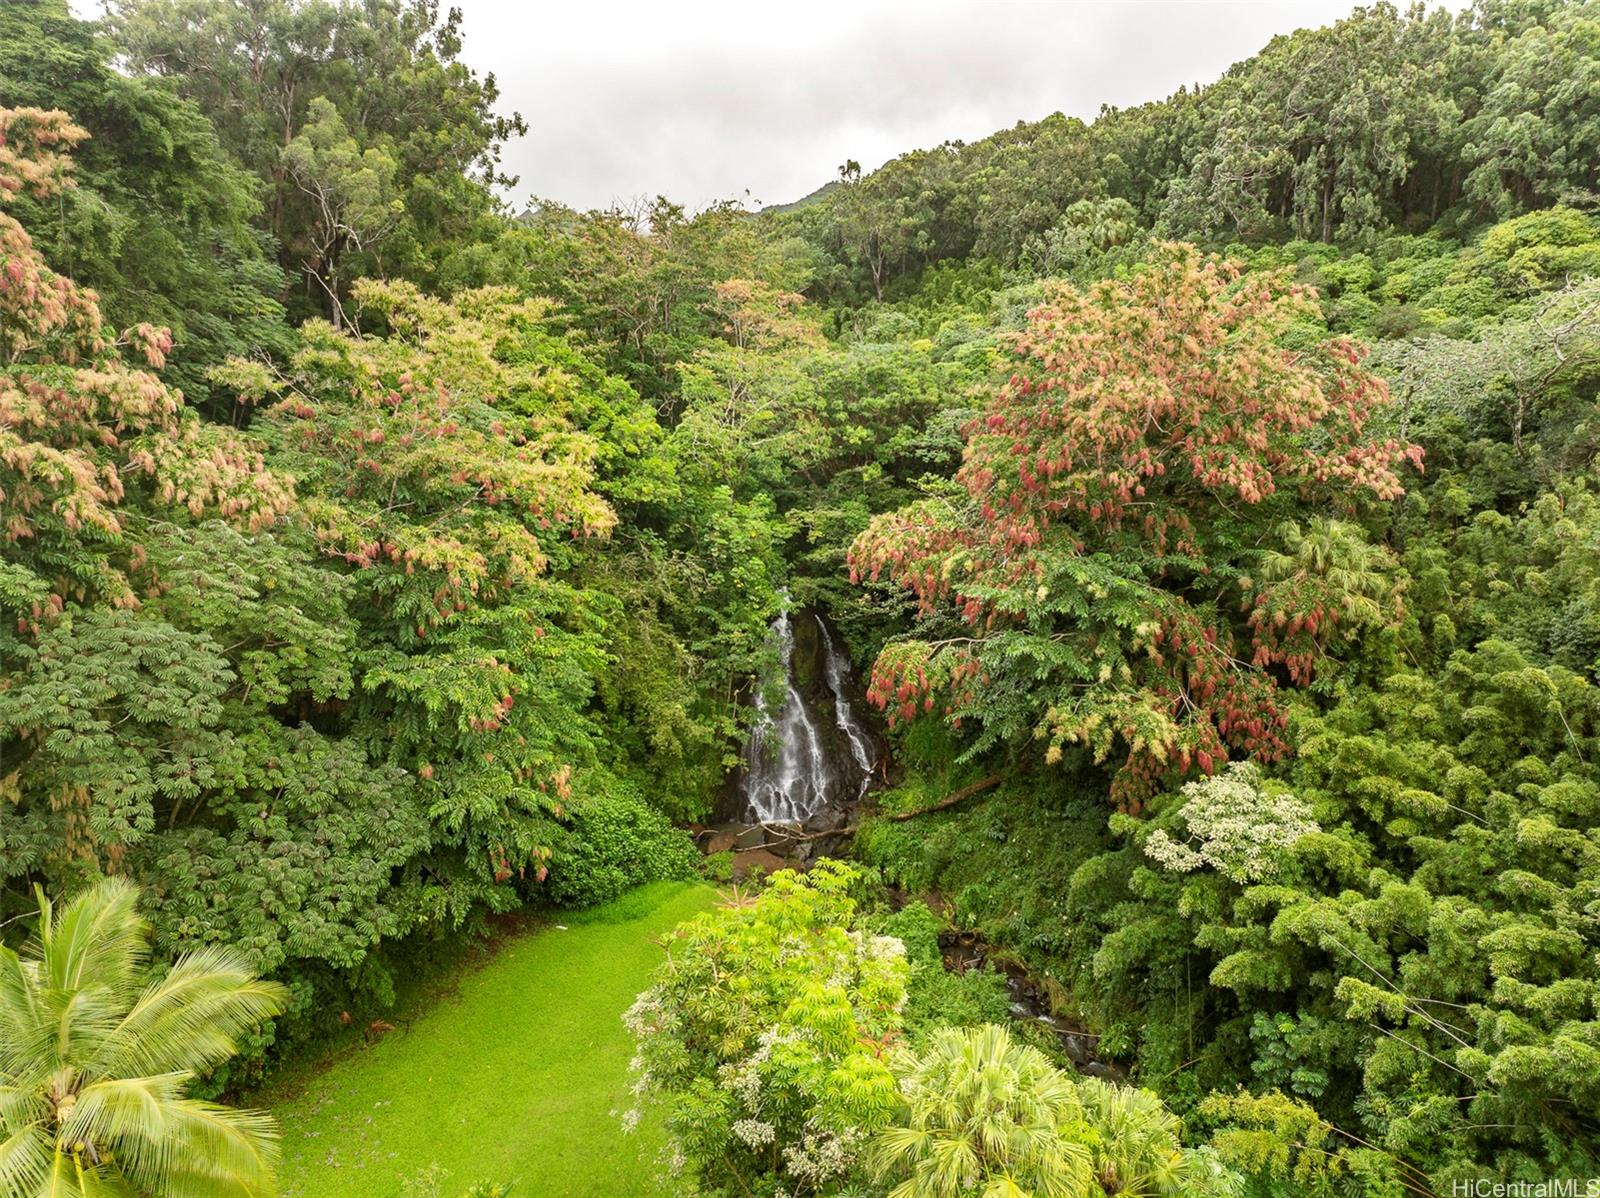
(872, 947)
(1235, 826)
(743, 1078)
(754, 1132)
(821, 1156)
(646, 1016)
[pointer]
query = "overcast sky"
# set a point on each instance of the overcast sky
(707, 101)
(761, 101)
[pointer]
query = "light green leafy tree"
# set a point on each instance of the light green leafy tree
(1138, 1145)
(1537, 135)
(1316, 132)
(352, 193)
(160, 222)
(1076, 246)
(988, 1117)
(762, 1042)
(391, 69)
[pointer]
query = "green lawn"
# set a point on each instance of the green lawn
(515, 1077)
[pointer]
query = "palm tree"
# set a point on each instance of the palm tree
(986, 1118)
(1137, 1151)
(1357, 575)
(96, 1056)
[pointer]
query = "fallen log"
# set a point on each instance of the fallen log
(960, 796)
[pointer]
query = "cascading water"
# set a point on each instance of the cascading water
(794, 765)
(837, 668)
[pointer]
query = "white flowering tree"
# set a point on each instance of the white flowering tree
(1237, 823)
(763, 1042)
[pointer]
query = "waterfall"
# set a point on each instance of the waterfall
(795, 766)
(837, 668)
(786, 772)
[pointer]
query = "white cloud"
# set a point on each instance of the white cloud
(703, 100)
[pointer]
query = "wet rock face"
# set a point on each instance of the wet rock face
(809, 752)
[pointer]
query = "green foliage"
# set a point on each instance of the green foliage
(355, 696)
(160, 223)
(1396, 971)
(985, 1115)
(1391, 120)
(1535, 139)
(1283, 1143)
(338, 639)
(356, 202)
(937, 997)
(1422, 934)
(358, 113)
(1317, 132)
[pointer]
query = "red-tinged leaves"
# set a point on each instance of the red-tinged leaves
(79, 422)
(1139, 415)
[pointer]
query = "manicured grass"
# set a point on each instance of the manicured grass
(513, 1078)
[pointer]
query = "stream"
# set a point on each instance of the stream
(1030, 1003)
(808, 762)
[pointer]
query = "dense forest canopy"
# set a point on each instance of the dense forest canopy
(1215, 479)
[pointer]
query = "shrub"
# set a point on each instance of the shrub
(986, 1115)
(616, 841)
(762, 1041)
(935, 997)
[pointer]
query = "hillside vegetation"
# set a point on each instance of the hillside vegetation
(1220, 473)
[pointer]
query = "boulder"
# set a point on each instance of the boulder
(765, 860)
(718, 842)
(720, 838)
(829, 819)
(752, 837)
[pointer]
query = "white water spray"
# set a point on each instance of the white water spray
(837, 668)
(793, 766)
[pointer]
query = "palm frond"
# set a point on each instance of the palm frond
(62, 1180)
(213, 1149)
(192, 1018)
(95, 1062)
(81, 1021)
(24, 1160)
(24, 1038)
(20, 1106)
(100, 939)
(128, 1112)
